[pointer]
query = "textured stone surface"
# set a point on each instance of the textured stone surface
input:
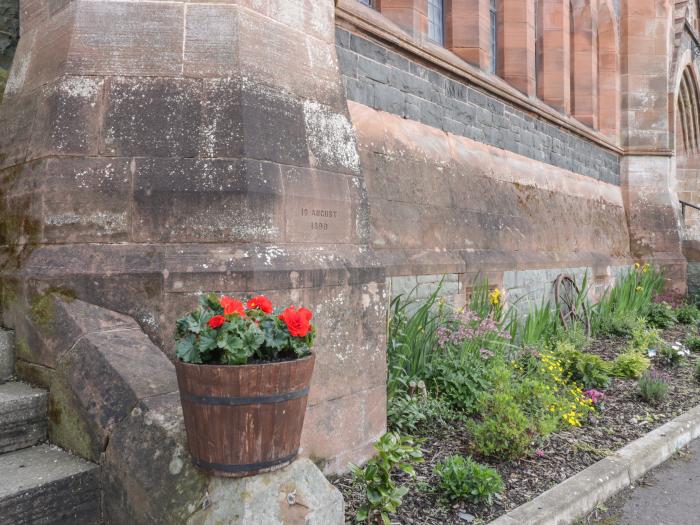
(7, 354)
(164, 488)
(298, 493)
(429, 189)
(97, 384)
(22, 416)
(380, 78)
(44, 484)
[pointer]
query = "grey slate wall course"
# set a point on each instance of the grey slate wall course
(385, 80)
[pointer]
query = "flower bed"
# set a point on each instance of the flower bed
(583, 427)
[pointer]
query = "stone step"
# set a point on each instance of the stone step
(45, 485)
(22, 416)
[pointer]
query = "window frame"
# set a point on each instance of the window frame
(436, 27)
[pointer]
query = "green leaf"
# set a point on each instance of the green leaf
(186, 350)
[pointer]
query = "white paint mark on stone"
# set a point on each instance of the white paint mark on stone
(81, 87)
(331, 136)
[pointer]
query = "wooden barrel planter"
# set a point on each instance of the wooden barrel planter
(244, 420)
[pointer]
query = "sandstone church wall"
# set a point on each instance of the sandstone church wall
(315, 151)
(386, 80)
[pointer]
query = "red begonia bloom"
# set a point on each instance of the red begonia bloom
(232, 306)
(216, 321)
(261, 303)
(297, 321)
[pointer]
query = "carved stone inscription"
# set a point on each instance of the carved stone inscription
(318, 220)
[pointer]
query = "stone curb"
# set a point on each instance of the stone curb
(578, 495)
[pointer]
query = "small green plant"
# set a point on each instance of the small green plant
(644, 338)
(623, 324)
(457, 382)
(670, 355)
(588, 370)
(660, 315)
(630, 298)
(411, 339)
(630, 365)
(688, 314)
(540, 325)
(693, 343)
(653, 387)
(394, 452)
(697, 371)
(409, 413)
(576, 336)
(505, 431)
(466, 480)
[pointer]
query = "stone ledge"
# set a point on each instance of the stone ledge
(581, 493)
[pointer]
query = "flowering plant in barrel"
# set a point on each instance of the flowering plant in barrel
(244, 371)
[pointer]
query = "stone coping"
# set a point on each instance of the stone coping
(578, 495)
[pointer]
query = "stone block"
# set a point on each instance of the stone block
(298, 493)
(211, 47)
(45, 485)
(54, 321)
(16, 118)
(328, 437)
(148, 41)
(156, 117)
(22, 416)
(67, 118)
(222, 119)
(331, 139)
(318, 207)
(7, 355)
(97, 384)
(86, 199)
(216, 200)
(264, 109)
(304, 67)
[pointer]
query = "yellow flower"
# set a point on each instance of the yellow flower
(645, 269)
(636, 266)
(639, 288)
(495, 297)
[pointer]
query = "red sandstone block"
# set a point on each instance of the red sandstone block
(67, 118)
(16, 119)
(217, 200)
(211, 41)
(329, 432)
(147, 40)
(86, 199)
(317, 206)
(146, 116)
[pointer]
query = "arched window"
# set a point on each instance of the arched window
(608, 72)
(436, 14)
(552, 53)
(493, 34)
(584, 68)
(687, 115)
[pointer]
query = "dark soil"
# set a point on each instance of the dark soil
(625, 418)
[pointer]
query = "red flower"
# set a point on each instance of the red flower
(216, 321)
(297, 321)
(307, 313)
(231, 306)
(261, 303)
